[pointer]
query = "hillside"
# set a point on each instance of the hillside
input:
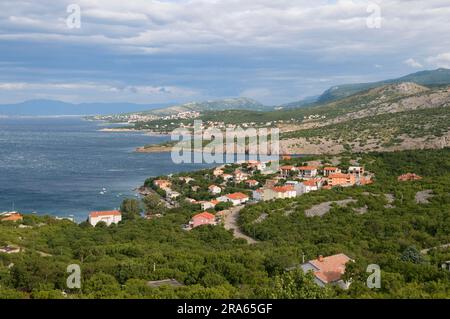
(428, 78)
(216, 105)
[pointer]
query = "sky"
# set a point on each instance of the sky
(274, 51)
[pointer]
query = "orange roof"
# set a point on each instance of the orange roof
(330, 268)
(13, 217)
(307, 168)
(330, 168)
(283, 189)
(204, 215)
(311, 182)
(340, 175)
(251, 181)
(105, 213)
(215, 202)
(287, 167)
(237, 196)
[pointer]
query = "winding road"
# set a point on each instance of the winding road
(230, 222)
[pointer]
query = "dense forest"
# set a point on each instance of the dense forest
(118, 261)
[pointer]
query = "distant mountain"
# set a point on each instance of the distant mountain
(429, 78)
(307, 101)
(216, 105)
(54, 108)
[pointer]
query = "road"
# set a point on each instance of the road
(230, 222)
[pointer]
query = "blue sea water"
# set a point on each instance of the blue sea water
(59, 166)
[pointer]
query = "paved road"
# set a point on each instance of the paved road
(230, 222)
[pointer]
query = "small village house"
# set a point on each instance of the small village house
(287, 170)
(214, 189)
(235, 198)
(239, 176)
(204, 218)
(11, 217)
(307, 171)
(313, 184)
(162, 183)
(330, 170)
(281, 192)
(171, 194)
(227, 177)
(251, 183)
(340, 179)
(108, 217)
(328, 270)
(356, 170)
(218, 172)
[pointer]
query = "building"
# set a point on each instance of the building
(11, 217)
(313, 184)
(356, 170)
(281, 192)
(186, 179)
(235, 198)
(340, 179)
(251, 183)
(287, 170)
(409, 177)
(330, 170)
(227, 177)
(162, 183)
(208, 204)
(258, 194)
(171, 194)
(256, 165)
(214, 189)
(108, 217)
(328, 270)
(201, 219)
(218, 172)
(240, 176)
(307, 171)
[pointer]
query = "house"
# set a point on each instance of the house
(190, 200)
(330, 170)
(365, 181)
(204, 218)
(251, 183)
(340, 179)
(356, 170)
(108, 217)
(313, 184)
(235, 198)
(256, 165)
(227, 177)
(240, 176)
(195, 188)
(186, 179)
(162, 183)
(307, 171)
(171, 194)
(270, 182)
(281, 192)
(218, 172)
(409, 177)
(208, 204)
(287, 170)
(11, 217)
(258, 194)
(328, 270)
(214, 189)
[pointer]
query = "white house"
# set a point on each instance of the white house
(108, 217)
(214, 189)
(307, 171)
(356, 170)
(312, 185)
(235, 198)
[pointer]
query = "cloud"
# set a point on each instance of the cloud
(441, 60)
(413, 63)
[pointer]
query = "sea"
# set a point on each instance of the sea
(67, 167)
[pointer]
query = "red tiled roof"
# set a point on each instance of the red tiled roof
(105, 213)
(307, 168)
(340, 175)
(287, 167)
(330, 168)
(215, 202)
(283, 189)
(237, 196)
(251, 181)
(205, 215)
(330, 268)
(311, 182)
(13, 217)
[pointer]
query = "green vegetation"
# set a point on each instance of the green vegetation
(117, 261)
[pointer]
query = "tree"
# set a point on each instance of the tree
(411, 254)
(153, 204)
(130, 209)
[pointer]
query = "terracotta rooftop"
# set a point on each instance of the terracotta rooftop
(330, 268)
(105, 213)
(237, 196)
(283, 189)
(307, 168)
(204, 215)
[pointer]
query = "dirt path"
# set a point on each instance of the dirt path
(230, 222)
(323, 208)
(425, 251)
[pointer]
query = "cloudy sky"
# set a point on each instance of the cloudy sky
(275, 51)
